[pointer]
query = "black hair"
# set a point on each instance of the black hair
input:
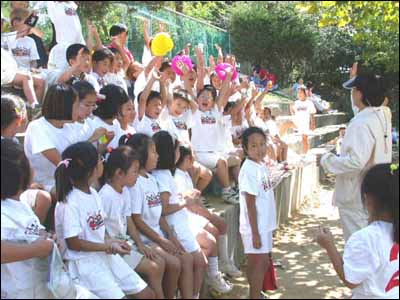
(298, 78)
(183, 152)
(120, 158)
(166, 147)
(309, 85)
(12, 107)
(81, 160)
(208, 88)
(140, 144)
(229, 106)
(117, 29)
(73, 50)
(165, 65)
(152, 95)
(102, 54)
(182, 94)
(110, 107)
(83, 89)
(246, 135)
(15, 169)
(372, 89)
(58, 102)
(382, 184)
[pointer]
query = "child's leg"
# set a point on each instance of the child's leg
(257, 265)
(207, 243)
(186, 277)
(26, 82)
(223, 172)
(234, 165)
(153, 270)
(200, 266)
(305, 144)
(204, 179)
(172, 272)
(39, 85)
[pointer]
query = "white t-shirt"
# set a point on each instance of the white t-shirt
(117, 207)
(146, 57)
(206, 130)
(140, 85)
(25, 52)
(303, 111)
(66, 22)
(178, 126)
(9, 67)
(41, 136)
(272, 127)
(226, 142)
(183, 181)
(148, 126)
(146, 201)
(116, 79)
(26, 278)
(96, 81)
(371, 259)
(79, 132)
(82, 216)
(254, 179)
(96, 122)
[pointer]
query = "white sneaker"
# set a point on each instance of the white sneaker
(230, 269)
(219, 284)
(230, 197)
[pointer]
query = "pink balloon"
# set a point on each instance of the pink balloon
(182, 58)
(223, 68)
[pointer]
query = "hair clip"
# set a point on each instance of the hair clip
(100, 98)
(17, 111)
(128, 136)
(64, 162)
(393, 168)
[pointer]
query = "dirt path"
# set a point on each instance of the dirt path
(307, 272)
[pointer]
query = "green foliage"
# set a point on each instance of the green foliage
(276, 37)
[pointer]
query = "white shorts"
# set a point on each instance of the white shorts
(134, 259)
(106, 276)
(266, 243)
(187, 238)
(29, 197)
(196, 223)
(209, 159)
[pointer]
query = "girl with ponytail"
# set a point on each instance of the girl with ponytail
(370, 263)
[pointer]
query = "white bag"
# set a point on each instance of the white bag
(59, 280)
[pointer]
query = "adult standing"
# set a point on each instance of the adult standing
(367, 142)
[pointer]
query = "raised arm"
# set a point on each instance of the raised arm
(145, 94)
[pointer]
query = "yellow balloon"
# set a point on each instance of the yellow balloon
(161, 44)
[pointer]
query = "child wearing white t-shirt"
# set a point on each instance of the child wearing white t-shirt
(120, 173)
(176, 214)
(370, 262)
(101, 66)
(116, 74)
(127, 117)
(80, 227)
(25, 245)
(303, 110)
(151, 104)
(257, 208)
(205, 138)
(146, 209)
(105, 115)
(46, 138)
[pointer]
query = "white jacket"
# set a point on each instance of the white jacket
(364, 145)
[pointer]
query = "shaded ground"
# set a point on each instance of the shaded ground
(307, 272)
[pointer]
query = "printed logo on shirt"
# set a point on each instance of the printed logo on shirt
(69, 11)
(21, 51)
(267, 184)
(32, 229)
(302, 108)
(95, 221)
(180, 124)
(153, 200)
(208, 120)
(155, 127)
(394, 280)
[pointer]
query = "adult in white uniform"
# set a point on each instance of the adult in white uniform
(367, 142)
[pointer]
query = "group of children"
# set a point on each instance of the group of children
(116, 166)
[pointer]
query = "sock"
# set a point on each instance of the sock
(197, 296)
(223, 248)
(212, 266)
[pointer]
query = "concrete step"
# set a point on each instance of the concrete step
(321, 136)
(321, 120)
